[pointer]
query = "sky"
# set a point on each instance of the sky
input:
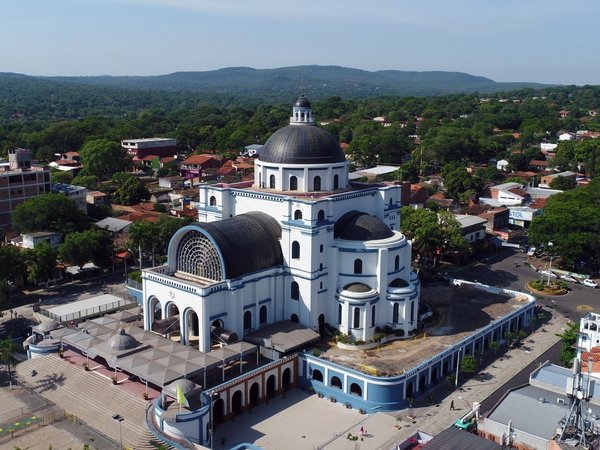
(545, 41)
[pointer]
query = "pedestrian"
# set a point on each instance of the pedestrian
(362, 431)
(452, 405)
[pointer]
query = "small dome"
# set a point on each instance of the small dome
(46, 326)
(121, 341)
(186, 386)
(359, 226)
(302, 102)
(302, 144)
(357, 287)
(398, 283)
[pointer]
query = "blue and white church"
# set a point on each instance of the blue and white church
(300, 243)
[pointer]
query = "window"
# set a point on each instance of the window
(295, 250)
(321, 248)
(321, 215)
(340, 314)
(247, 320)
(262, 315)
(212, 201)
(358, 266)
(293, 183)
(321, 285)
(272, 182)
(317, 183)
(395, 313)
(297, 215)
(336, 181)
(373, 315)
(295, 294)
(356, 322)
(397, 262)
(412, 311)
(321, 266)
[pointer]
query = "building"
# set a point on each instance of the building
(97, 198)
(194, 165)
(141, 148)
(546, 180)
(472, 228)
(316, 249)
(522, 216)
(31, 240)
(76, 193)
(252, 150)
(506, 194)
(20, 181)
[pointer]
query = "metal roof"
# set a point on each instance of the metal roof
(454, 439)
(302, 144)
(282, 336)
(359, 226)
(113, 225)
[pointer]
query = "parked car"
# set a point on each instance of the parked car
(568, 278)
(589, 283)
(531, 251)
(548, 273)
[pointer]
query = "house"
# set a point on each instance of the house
(413, 195)
(522, 216)
(497, 219)
(67, 165)
(546, 147)
(194, 165)
(538, 164)
(472, 228)
(444, 203)
(31, 240)
(508, 194)
(76, 193)
(173, 182)
(113, 225)
(150, 146)
(502, 165)
(97, 198)
(19, 181)
(252, 150)
(566, 137)
(546, 180)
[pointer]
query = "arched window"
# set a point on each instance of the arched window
(336, 181)
(397, 262)
(212, 201)
(373, 315)
(321, 215)
(294, 318)
(358, 266)
(247, 320)
(262, 317)
(340, 314)
(356, 321)
(395, 313)
(293, 183)
(295, 250)
(321, 266)
(321, 248)
(272, 182)
(317, 183)
(295, 291)
(297, 215)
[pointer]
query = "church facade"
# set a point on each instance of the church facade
(300, 243)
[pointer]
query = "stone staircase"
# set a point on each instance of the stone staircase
(90, 397)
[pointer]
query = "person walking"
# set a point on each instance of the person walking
(452, 405)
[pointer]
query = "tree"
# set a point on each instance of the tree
(41, 262)
(563, 183)
(7, 350)
(568, 341)
(132, 191)
(87, 181)
(468, 364)
(457, 181)
(49, 212)
(12, 263)
(59, 176)
(495, 347)
(102, 158)
(142, 235)
(93, 245)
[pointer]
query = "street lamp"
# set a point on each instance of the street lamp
(466, 401)
(119, 418)
(550, 244)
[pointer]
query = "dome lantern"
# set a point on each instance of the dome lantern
(302, 112)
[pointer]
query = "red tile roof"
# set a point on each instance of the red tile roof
(199, 159)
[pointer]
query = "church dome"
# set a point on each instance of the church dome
(357, 287)
(359, 226)
(121, 341)
(302, 102)
(304, 144)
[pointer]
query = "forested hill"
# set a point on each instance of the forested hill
(319, 82)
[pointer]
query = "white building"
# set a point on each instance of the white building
(299, 244)
(76, 193)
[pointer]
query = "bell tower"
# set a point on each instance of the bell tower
(302, 112)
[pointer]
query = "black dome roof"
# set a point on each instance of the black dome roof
(302, 144)
(302, 102)
(357, 287)
(359, 226)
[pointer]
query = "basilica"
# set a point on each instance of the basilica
(300, 243)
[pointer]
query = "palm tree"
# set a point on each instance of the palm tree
(143, 235)
(7, 348)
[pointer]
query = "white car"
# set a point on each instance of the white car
(568, 278)
(548, 273)
(589, 283)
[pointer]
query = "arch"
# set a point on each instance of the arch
(317, 375)
(218, 323)
(409, 389)
(254, 395)
(295, 250)
(212, 201)
(286, 379)
(197, 255)
(358, 266)
(356, 389)
(295, 291)
(155, 309)
(293, 183)
(294, 318)
(236, 402)
(446, 367)
(191, 327)
(218, 410)
(321, 215)
(422, 382)
(397, 262)
(340, 314)
(373, 316)
(321, 248)
(172, 310)
(262, 315)
(336, 382)
(297, 214)
(395, 312)
(247, 320)
(272, 182)
(270, 386)
(356, 319)
(336, 181)
(434, 375)
(317, 183)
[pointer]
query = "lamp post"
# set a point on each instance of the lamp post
(550, 244)
(457, 367)
(119, 418)
(466, 401)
